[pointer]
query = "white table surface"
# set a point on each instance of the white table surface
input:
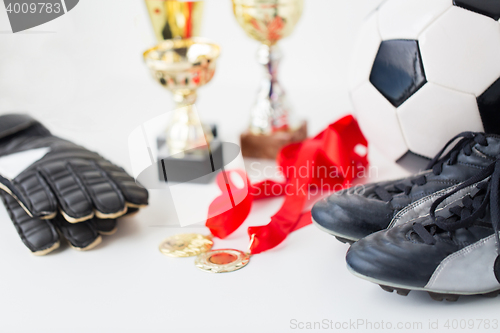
(83, 76)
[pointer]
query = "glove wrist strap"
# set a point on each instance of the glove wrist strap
(13, 123)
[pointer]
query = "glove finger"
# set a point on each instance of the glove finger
(107, 198)
(81, 236)
(108, 226)
(37, 195)
(132, 211)
(105, 227)
(135, 195)
(38, 235)
(75, 203)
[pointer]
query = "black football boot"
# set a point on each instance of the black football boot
(351, 215)
(452, 251)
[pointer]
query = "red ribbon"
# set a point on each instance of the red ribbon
(328, 160)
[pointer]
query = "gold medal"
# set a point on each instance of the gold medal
(222, 261)
(186, 245)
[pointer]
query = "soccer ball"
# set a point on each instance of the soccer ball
(424, 71)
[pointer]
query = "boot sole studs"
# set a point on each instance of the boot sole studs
(344, 240)
(399, 291)
(437, 296)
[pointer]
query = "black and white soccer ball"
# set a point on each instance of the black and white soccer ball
(424, 71)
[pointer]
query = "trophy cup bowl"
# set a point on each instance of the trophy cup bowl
(268, 21)
(271, 123)
(175, 19)
(182, 66)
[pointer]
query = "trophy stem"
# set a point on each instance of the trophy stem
(184, 97)
(271, 111)
(185, 130)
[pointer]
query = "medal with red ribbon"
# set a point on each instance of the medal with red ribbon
(332, 160)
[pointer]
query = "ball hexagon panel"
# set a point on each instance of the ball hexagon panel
(440, 113)
(397, 71)
(489, 8)
(407, 19)
(489, 108)
(461, 50)
(365, 49)
(377, 119)
(413, 162)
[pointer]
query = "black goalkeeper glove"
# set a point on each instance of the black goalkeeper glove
(53, 188)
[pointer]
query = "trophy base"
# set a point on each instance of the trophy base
(268, 146)
(199, 165)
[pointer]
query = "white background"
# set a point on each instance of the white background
(83, 75)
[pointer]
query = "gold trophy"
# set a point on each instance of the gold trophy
(182, 63)
(271, 123)
(182, 66)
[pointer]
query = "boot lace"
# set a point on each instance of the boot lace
(473, 207)
(466, 143)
